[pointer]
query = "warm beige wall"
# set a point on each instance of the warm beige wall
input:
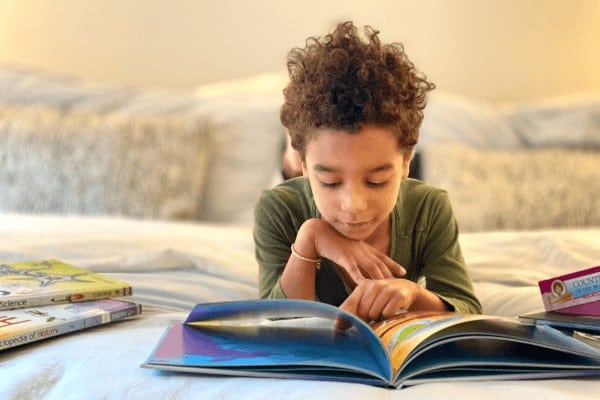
(494, 49)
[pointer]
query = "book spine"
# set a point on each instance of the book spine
(95, 295)
(61, 299)
(132, 311)
(49, 331)
(62, 328)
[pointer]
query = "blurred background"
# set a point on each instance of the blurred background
(495, 50)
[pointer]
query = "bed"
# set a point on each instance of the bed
(158, 188)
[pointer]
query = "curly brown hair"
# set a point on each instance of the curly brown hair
(341, 82)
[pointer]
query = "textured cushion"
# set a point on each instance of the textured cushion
(517, 189)
(246, 137)
(72, 161)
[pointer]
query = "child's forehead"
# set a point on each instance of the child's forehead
(369, 137)
(364, 150)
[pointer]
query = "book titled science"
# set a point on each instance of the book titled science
(37, 283)
(22, 326)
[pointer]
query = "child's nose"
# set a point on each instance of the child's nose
(354, 200)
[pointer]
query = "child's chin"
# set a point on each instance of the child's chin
(354, 234)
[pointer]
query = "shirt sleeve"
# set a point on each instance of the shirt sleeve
(443, 265)
(276, 222)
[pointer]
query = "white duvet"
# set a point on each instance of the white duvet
(173, 266)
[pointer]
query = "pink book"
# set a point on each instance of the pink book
(574, 293)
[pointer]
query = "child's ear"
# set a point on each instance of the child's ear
(406, 163)
(406, 171)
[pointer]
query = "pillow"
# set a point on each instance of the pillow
(517, 189)
(453, 119)
(248, 141)
(69, 161)
(31, 87)
(569, 121)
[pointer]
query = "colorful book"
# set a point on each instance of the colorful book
(310, 340)
(37, 283)
(23, 326)
(573, 293)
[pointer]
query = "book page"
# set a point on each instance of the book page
(402, 334)
(284, 332)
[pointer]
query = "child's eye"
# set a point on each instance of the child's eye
(330, 184)
(376, 184)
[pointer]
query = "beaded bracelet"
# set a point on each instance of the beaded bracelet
(301, 257)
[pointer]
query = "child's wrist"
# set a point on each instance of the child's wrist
(295, 253)
(305, 244)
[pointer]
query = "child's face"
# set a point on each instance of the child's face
(355, 179)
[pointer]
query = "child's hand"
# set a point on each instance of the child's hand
(358, 259)
(375, 300)
(361, 261)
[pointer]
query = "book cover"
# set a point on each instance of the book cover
(36, 283)
(574, 293)
(303, 340)
(557, 319)
(22, 326)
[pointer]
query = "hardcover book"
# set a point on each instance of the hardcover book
(312, 340)
(573, 293)
(36, 283)
(23, 326)
(588, 323)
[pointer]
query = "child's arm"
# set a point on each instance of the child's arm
(317, 239)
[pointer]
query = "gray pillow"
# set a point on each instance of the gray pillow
(517, 189)
(72, 161)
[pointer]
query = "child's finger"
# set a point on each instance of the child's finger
(355, 274)
(396, 269)
(352, 302)
(375, 269)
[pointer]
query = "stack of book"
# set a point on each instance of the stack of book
(571, 301)
(44, 299)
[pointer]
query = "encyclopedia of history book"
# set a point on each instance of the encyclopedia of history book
(311, 340)
(36, 283)
(26, 325)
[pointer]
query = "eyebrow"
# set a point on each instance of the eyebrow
(325, 168)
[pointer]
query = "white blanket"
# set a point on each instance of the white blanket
(172, 266)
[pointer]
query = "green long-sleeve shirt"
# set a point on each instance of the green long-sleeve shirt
(424, 240)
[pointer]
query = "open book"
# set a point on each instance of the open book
(303, 340)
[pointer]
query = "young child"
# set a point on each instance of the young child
(353, 231)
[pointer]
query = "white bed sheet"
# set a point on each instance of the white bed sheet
(173, 266)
